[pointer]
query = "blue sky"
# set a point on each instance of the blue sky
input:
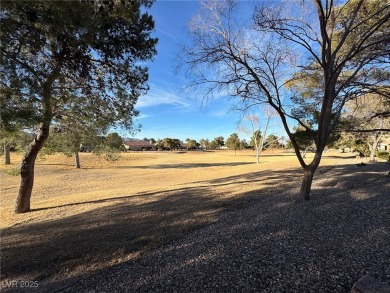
(166, 110)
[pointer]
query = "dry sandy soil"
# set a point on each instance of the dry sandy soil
(84, 220)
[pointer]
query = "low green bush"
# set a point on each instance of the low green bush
(383, 155)
(13, 171)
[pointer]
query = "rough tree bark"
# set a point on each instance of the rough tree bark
(307, 180)
(22, 204)
(77, 159)
(27, 169)
(375, 140)
(7, 155)
(308, 174)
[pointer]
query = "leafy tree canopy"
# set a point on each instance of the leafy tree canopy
(171, 143)
(233, 142)
(114, 140)
(205, 143)
(192, 144)
(78, 59)
(255, 138)
(272, 141)
(219, 141)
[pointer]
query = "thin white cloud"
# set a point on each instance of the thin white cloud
(167, 34)
(161, 96)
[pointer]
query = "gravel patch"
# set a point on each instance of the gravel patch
(277, 243)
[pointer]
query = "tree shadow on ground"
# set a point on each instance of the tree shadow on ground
(54, 164)
(277, 243)
(277, 179)
(185, 166)
(60, 252)
(265, 178)
(340, 157)
(274, 155)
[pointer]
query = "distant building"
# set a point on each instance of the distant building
(384, 145)
(183, 145)
(85, 148)
(139, 145)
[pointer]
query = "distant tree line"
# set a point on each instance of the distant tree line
(65, 140)
(70, 142)
(233, 142)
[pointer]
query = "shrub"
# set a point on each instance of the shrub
(383, 155)
(107, 152)
(13, 171)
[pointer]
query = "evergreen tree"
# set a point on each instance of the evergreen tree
(219, 142)
(75, 59)
(272, 142)
(233, 142)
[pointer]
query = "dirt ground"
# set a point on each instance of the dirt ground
(105, 213)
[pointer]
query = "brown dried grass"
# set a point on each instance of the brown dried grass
(87, 219)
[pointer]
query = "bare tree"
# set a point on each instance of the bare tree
(338, 46)
(257, 131)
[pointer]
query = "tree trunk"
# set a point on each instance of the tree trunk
(77, 159)
(306, 183)
(7, 156)
(27, 169)
(308, 173)
(304, 153)
(373, 147)
(372, 155)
